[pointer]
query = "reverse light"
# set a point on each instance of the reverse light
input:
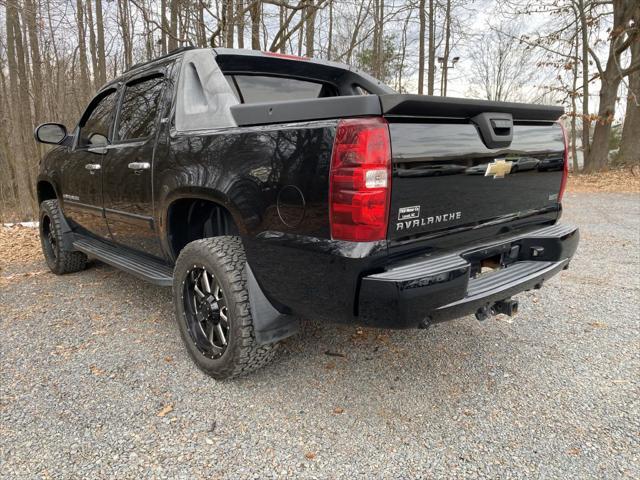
(360, 180)
(565, 167)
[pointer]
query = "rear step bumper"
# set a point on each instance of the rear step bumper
(434, 289)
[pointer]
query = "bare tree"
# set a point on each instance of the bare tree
(626, 31)
(499, 68)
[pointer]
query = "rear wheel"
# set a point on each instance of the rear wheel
(59, 259)
(212, 308)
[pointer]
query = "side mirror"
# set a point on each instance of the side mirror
(52, 133)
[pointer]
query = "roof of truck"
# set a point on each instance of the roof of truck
(255, 62)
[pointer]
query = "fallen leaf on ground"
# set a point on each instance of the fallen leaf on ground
(96, 371)
(310, 455)
(338, 410)
(598, 324)
(618, 180)
(167, 409)
(334, 354)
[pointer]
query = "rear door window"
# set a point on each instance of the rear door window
(261, 88)
(139, 110)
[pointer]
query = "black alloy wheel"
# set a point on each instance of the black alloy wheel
(206, 312)
(49, 241)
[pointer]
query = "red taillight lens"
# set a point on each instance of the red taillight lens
(565, 167)
(360, 180)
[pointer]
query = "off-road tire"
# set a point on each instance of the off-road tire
(59, 260)
(224, 257)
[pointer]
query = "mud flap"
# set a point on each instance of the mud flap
(269, 325)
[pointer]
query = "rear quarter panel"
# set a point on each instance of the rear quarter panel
(274, 182)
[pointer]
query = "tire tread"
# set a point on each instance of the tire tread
(227, 253)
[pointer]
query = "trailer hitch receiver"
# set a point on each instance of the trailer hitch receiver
(507, 307)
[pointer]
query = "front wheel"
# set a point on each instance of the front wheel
(212, 308)
(59, 260)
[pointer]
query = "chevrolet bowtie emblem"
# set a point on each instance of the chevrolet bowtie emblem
(498, 168)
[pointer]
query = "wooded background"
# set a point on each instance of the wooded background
(583, 54)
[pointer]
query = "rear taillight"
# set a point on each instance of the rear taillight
(360, 180)
(565, 166)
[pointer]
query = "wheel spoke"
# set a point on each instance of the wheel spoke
(223, 316)
(205, 281)
(196, 310)
(210, 328)
(198, 291)
(217, 292)
(221, 335)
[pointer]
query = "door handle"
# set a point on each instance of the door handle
(92, 167)
(139, 165)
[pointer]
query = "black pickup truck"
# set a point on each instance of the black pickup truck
(264, 188)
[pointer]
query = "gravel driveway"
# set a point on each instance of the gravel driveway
(95, 382)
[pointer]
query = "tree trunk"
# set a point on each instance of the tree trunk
(255, 12)
(240, 22)
(82, 50)
(630, 143)
(301, 35)
(574, 106)
(445, 64)
(421, 52)
(174, 5)
(228, 23)
(101, 74)
(310, 12)
(92, 43)
(586, 120)
(624, 12)
(19, 82)
(123, 10)
(282, 26)
(599, 151)
(431, 73)
(330, 39)
(36, 63)
(164, 25)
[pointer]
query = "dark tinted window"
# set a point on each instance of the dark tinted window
(94, 130)
(139, 108)
(256, 88)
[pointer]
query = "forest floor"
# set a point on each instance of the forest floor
(613, 181)
(95, 382)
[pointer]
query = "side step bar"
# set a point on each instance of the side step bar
(149, 269)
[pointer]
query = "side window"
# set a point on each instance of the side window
(96, 122)
(262, 88)
(361, 90)
(139, 108)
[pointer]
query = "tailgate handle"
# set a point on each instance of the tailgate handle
(496, 129)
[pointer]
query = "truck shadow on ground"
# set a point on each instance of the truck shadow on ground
(338, 358)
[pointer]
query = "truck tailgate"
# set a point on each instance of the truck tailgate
(448, 173)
